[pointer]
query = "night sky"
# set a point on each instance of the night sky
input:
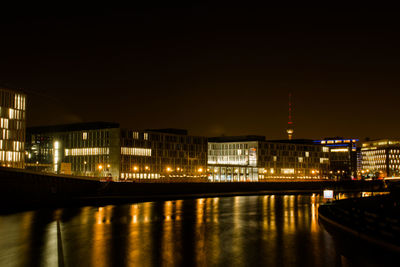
(214, 71)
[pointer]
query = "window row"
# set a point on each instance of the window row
(92, 151)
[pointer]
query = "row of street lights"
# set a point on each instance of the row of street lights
(103, 167)
(167, 169)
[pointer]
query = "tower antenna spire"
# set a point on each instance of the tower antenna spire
(289, 129)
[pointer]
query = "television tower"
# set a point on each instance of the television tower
(289, 129)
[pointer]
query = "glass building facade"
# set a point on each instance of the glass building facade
(233, 161)
(252, 158)
(12, 128)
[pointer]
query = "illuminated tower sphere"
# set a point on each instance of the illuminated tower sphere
(289, 129)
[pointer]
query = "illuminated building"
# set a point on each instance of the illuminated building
(84, 149)
(342, 157)
(163, 153)
(381, 158)
(252, 158)
(12, 128)
(102, 149)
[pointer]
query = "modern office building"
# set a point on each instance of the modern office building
(342, 157)
(380, 158)
(252, 158)
(12, 128)
(103, 149)
(89, 149)
(162, 153)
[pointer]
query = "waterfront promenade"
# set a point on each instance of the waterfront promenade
(365, 226)
(21, 189)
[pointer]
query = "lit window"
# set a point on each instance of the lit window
(133, 151)
(11, 113)
(84, 136)
(146, 136)
(324, 160)
(87, 151)
(135, 135)
(287, 171)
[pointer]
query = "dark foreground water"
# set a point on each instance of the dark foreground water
(268, 230)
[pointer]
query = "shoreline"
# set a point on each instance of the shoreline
(364, 226)
(26, 190)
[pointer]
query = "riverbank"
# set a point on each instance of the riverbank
(28, 190)
(365, 226)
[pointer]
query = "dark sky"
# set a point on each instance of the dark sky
(210, 70)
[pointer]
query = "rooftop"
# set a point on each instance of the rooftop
(73, 127)
(294, 141)
(244, 138)
(169, 131)
(13, 90)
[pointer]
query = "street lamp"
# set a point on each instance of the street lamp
(100, 167)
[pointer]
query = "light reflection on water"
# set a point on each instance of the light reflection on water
(234, 231)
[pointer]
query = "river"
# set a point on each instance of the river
(267, 230)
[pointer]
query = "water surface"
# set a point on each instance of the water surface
(267, 230)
